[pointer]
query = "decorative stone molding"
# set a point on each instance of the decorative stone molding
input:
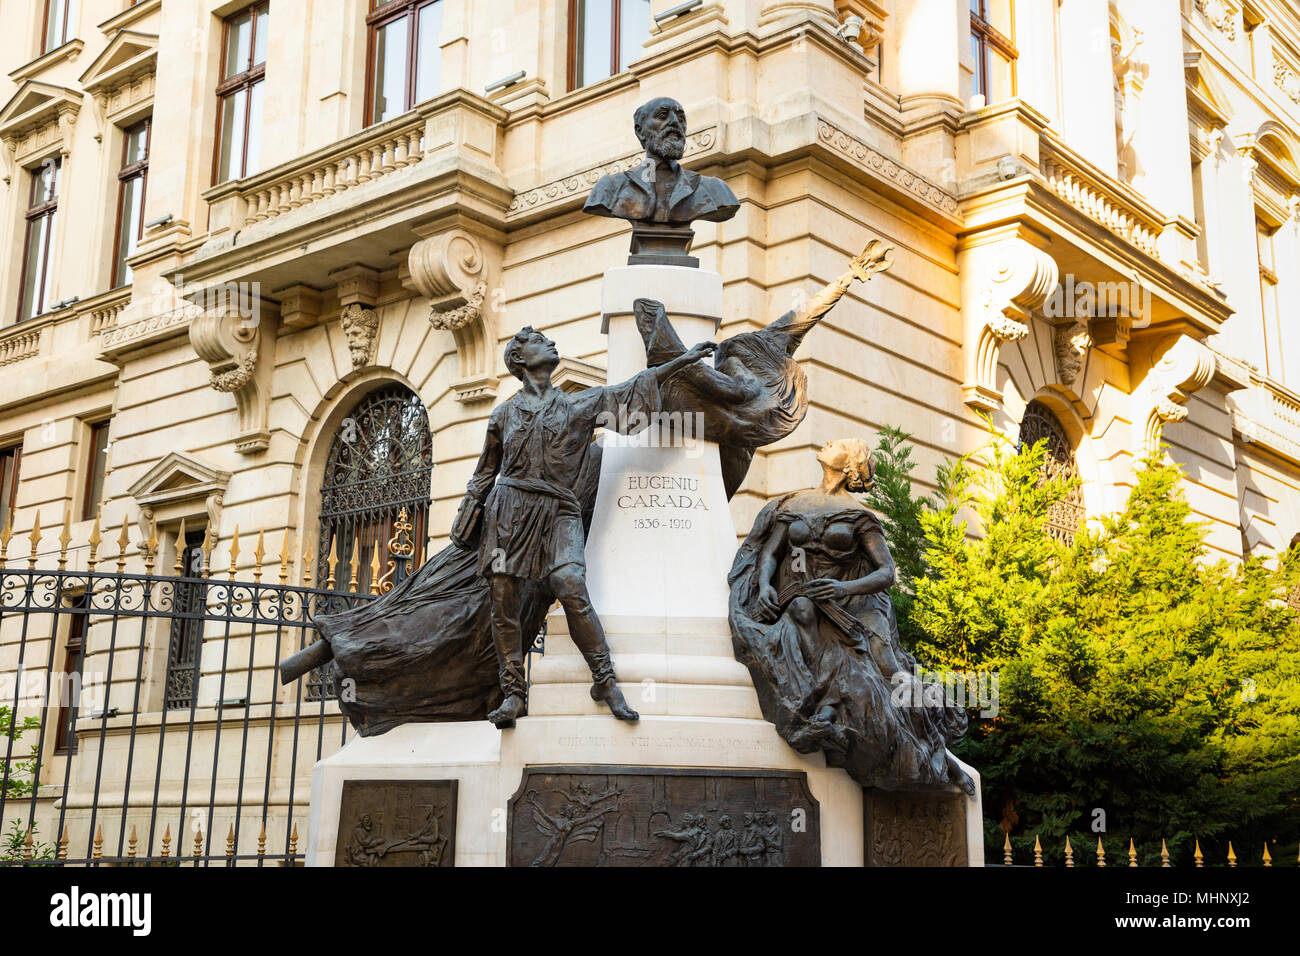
(887, 170)
(361, 327)
(1184, 367)
(1222, 16)
(1010, 278)
(180, 486)
(576, 185)
(229, 337)
(37, 119)
(1071, 344)
(299, 306)
(121, 79)
(451, 270)
(572, 375)
(1286, 78)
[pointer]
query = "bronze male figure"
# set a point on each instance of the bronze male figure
(522, 507)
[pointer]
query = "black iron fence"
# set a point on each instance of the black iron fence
(142, 719)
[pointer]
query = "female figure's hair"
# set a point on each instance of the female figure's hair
(859, 465)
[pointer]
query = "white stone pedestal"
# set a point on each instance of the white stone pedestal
(662, 539)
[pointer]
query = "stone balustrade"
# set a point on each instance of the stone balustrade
(19, 343)
(1098, 196)
(368, 155)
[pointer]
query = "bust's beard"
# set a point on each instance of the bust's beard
(658, 144)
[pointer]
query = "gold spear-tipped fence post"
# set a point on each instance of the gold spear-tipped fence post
(198, 841)
(1006, 849)
(151, 547)
(98, 848)
(63, 844)
(94, 541)
(1038, 851)
(1268, 860)
(178, 568)
(293, 842)
(259, 553)
(355, 564)
(261, 844)
(167, 841)
(130, 844)
(308, 566)
(65, 539)
(230, 843)
(1164, 853)
(374, 567)
(28, 845)
(1069, 852)
(234, 553)
(284, 559)
(1232, 857)
(1101, 853)
(6, 535)
(35, 538)
(1197, 857)
(123, 540)
(1132, 853)
(332, 562)
(208, 546)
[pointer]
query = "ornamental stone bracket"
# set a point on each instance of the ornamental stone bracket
(358, 291)
(1004, 279)
(236, 336)
(1180, 365)
(453, 269)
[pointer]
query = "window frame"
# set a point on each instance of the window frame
(382, 13)
(14, 453)
(985, 35)
(74, 649)
(126, 172)
(47, 209)
(65, 33)
(89, 499)
(615, 44)
(230, 86)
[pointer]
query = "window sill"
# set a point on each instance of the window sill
(69, 52)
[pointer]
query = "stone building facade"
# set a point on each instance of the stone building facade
(255, 253)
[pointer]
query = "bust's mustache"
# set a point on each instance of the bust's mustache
(670, 143)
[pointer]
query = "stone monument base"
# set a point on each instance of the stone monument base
(570, 785)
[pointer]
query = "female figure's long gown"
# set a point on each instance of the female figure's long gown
(818, 668)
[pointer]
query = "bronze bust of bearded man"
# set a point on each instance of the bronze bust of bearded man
(659, 197)
(522, 507)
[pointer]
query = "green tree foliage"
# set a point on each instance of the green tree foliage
(19, 783)
(1139, 683)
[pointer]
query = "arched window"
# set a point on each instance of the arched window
(378, 467)
(1058, 461)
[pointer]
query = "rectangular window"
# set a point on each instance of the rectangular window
(992, 49)
(68, 689)
(1267, 280)
(240, 93)
(186, 636)
(60, 23)
(95, 464)
(131, 180)
(10, 458)
(604, 37)
(405, 65)
(42, 205)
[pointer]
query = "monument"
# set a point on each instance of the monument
(696, 704)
